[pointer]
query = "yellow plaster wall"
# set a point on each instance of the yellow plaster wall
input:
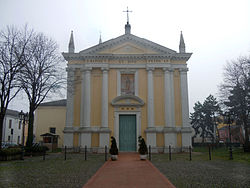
(77, 98)
(142, 92)
(179, 140)
(76, 140)
(95, 140)
(160, 140)
(159, 97)
(112, 92)
(51, 116)
(177, 97)
(96, 97)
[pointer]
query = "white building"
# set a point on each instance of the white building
(12, 128)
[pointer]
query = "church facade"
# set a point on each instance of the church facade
(127, 87)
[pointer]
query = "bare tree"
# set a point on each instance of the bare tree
(42, 74)
(235, 91)
(13, 43)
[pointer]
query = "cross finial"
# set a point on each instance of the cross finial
(127, 14)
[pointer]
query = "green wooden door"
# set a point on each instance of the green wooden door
(127, 133)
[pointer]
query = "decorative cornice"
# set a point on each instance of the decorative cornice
(109, 57)
(115, 101)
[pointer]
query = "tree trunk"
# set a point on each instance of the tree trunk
(29, 141)
(2, 115)
(1, 129)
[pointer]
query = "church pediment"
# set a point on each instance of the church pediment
(127, 100)
(128, 48)
(127, 44)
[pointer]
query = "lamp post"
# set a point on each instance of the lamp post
(214, 119)
(23, 117)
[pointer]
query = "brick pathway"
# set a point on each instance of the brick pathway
(130, 172)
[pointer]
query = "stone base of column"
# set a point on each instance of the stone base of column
(85, 140)
(104, 140)
(151, 139)
(170, 140)
(186, 140)
(68, 140)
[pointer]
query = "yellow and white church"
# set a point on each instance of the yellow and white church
(126, 87)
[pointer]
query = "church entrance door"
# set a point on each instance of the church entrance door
(127, 132)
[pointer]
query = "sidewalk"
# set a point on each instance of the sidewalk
(130, 172)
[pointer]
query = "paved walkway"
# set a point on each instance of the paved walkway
(130, 172)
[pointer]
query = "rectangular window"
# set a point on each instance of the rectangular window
(127, 84)
(9, 138)
(10, 123)
(52, 130)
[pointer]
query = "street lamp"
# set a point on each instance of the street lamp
(23, 117)
(214, 119)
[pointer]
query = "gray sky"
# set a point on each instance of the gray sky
(215, 31)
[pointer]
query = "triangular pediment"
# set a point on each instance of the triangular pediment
(127, 44)
(128, 48)
(127, 100)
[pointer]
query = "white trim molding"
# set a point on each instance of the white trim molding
(116, 125)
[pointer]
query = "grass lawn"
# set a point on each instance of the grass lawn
(53, 172)
(201, 172)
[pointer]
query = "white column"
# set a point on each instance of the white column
(150, 97)
(70, 97)
(184, 97)
(85, 137)
(105, 97)
(172, 97)
(82, 98)
(104, 136)
(68, 134)
(151, 136)
(168, 94)
(86, 98)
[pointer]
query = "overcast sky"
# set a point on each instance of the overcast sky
(215, 31)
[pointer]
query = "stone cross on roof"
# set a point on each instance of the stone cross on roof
(127, 14)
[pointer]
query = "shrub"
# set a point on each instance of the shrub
(143, 150)
(113, 150)
(10, 151)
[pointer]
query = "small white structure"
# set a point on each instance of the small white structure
(12, 128)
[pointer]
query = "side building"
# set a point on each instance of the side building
(50, 122)
(12, 128)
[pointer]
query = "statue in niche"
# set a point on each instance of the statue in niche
(127, 84)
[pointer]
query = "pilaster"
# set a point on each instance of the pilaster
(86, 97)
(150, 97)
(184, 97)
(169, 97)
(105, 97)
